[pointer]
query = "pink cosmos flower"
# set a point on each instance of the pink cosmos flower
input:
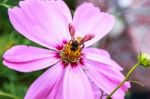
(76, 72)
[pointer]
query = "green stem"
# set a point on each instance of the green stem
(5, 5)
(126, 78)
(8, 95)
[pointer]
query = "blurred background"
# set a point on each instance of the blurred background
(130, 35)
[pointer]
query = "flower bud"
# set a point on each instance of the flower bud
(144, 60)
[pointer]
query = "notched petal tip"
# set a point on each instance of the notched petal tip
(87, 4)
(92, 20)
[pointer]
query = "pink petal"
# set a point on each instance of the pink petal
(107, 82)
(26, 59)
(101, 56)
(57, 91)
(42, 21)
(89, 19)
(107, 70)
(96, 51)
(76, 84)
(96, 90)
(44, 85)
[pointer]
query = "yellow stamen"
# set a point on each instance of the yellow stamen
(72, 51)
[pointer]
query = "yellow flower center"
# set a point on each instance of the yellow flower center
(72, 51)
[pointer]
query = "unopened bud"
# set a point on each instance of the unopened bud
(144, 60)
(87, 37)
(71, 30)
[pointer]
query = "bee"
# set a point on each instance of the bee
(74, 45)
